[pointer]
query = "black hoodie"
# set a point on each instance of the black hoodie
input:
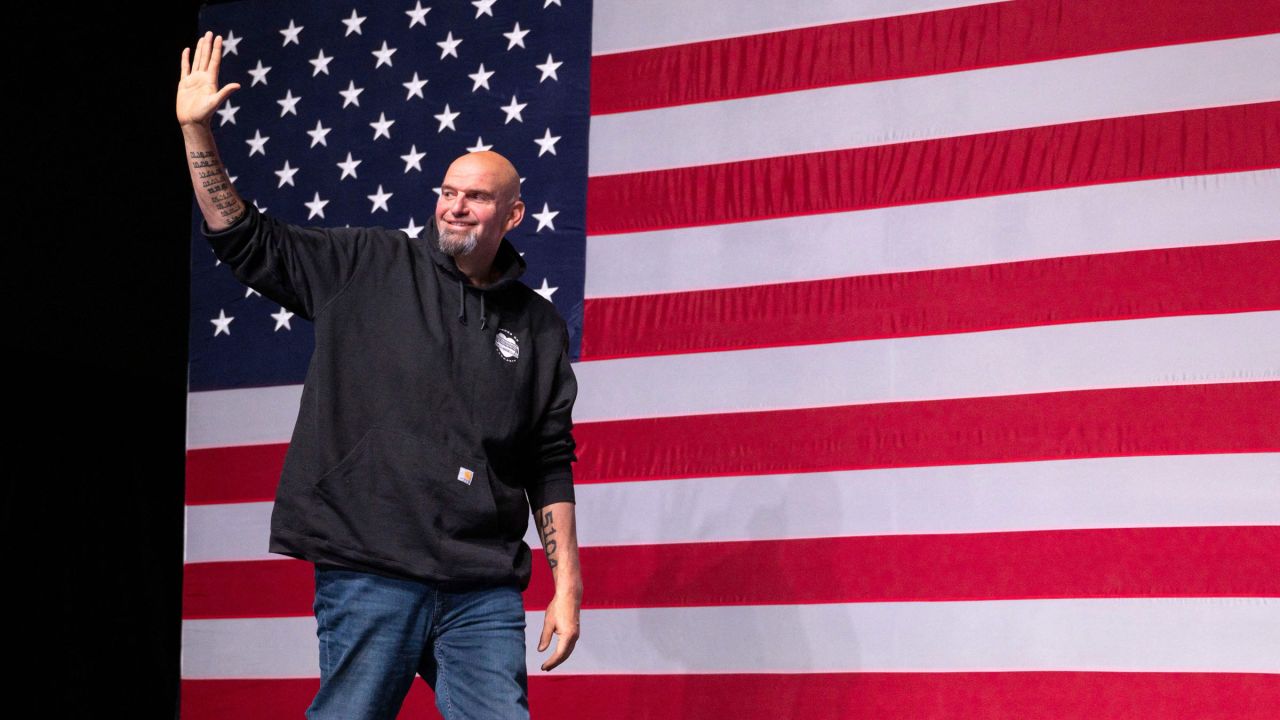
(430, 410)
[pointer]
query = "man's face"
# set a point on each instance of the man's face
(477, 204)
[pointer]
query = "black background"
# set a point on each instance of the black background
(94, 332)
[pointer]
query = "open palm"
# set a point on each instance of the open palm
(198, 93)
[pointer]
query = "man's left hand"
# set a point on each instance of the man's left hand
(562, 620)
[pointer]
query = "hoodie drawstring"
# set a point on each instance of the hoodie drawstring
(462, 307)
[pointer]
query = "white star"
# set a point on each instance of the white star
(414, 86)
(291, 33)
(547, 144)
(320, 63)
(318, 135)
(288, 103)
(417, 15)
(257, 143)
(413, 230)
(222, 323)
(249, 292)
(259, 74)
(384, 55)
(316, 206)
(260, 208)
(545, 291)
(351, 94)
(349, 167)
(282, 318)
(513, 110)
(353, 24)
(516, 36)
(484, 7)
(231, 43)
(480, 146)
(545, 217)
(449, 46)
(382, 127)
(549, 68)
(380, 199)
(413, 159)
(481, 78)
(547, 4)
(446, 119)
(286, 174)
(228, 113)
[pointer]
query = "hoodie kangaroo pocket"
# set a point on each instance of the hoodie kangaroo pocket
(398, 496)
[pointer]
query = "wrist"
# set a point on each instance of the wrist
(195, 129)
(569, 588)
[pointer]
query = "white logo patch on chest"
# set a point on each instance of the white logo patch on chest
(508, 346)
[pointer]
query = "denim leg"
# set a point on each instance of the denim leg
(372, 630)
(478, 658)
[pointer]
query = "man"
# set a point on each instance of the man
(438, 399)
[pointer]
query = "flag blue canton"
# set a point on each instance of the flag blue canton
(351, 117)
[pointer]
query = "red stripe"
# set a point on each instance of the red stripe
(813, 696)
(1126, 562)
(1227, 417)
(1113, 286)
(1103, 563)
(926, 43)
(1158, 420)
(1139, 147)
(242, 473)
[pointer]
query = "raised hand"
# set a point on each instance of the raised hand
(198, 92)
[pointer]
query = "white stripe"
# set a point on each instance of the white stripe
(620, 25)
(229, 531)
(249, 416)
(1153, 351)
(1135, 82)
(1142, 215)
(1149, 491)
(1136, 635)
(1076, 356)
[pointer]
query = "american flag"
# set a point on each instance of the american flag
(928, 351)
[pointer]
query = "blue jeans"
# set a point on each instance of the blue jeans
(377, 632)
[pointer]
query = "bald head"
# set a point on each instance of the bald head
(493, 167)
(479, 202)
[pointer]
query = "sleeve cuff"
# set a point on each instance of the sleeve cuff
(240, 222)
(554, 487)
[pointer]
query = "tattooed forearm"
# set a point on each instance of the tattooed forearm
(549, 542)
(213, 182)
(218, 200)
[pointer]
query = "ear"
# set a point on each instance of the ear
(514, 217)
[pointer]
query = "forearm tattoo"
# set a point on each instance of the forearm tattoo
(215, 184)
(548, 542)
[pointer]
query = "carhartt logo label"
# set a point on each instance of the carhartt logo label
(465, 475)
(508, 346)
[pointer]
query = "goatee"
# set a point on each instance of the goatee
(454, 243)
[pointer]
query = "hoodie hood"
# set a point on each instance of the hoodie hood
(507, 260)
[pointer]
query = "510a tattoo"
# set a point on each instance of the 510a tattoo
(549, 542)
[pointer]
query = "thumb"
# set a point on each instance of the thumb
(225, 92)
(545, 641)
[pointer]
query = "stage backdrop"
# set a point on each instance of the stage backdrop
(929, 351)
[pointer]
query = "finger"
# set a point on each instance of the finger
(563, 648)
(216, 60)
(202, 53)
(186, 67)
